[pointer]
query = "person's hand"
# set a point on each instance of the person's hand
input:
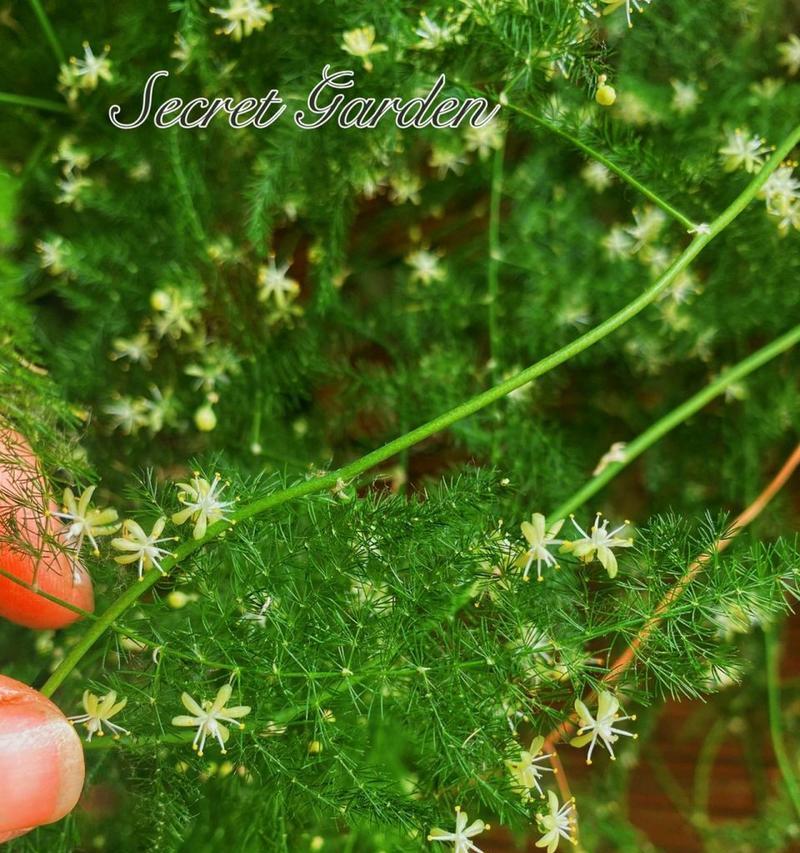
(41, 760)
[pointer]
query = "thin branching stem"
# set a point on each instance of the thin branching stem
(678, 416)
(319, 484)
(597, 155)
(775, 722)
(622, 663)
(495, 200)
(35, 103)
(618, 170)
(49, 32)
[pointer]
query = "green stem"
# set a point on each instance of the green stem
(592, 152)
(470, 407)
(36, 103)
(702, 774)
(494, 261)
(775, 721)
(49, 32)
(618, 170)
(677, 416)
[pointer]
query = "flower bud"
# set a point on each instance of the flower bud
(205, 419)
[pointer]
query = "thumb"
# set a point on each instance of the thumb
(41, 760)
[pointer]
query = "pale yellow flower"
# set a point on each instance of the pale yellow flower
(598, 544)
(209, 718)
(557, 823)
(526, 772)
(790, 54)
(243, 17)
(202, 503)
(85, 521)
(539, 538)
(140, 548)
(460, 837)
(98, 713)
(602, 727)
(361, 43)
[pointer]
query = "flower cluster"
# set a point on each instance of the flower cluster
(85, 74)
(598, 544)
(781, 191)
(243, 17)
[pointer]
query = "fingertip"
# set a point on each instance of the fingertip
(41, 760)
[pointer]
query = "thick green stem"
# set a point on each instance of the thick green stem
(470, 407)
(775, 721)
(48, 30)
(36, 103)
(677, 416)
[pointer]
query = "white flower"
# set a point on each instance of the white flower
(202, 503)
(128, 414)
(275, 285)
(598, 544)
(433, 35)
(616, 453)
(526, 772)
(425, 266)
(444, 161)
(484, 139)
(85, 521)
(597, 176)
(780, 190)
(259, 616)
(160, 408)
(139, 349)
(617, 243)
(405, 187)
(360, 43)
(140, 548)
(209, 717)
(683, 288)
(175, 311)
(539, 538)
(460, 838)
(647, 226)
(790, 54)
(90, 70)
(557, 823)
(216, 369)
(72, 158)
(52, 255)
(789, 218)
(70, 189)
(68, 81)
(613, 5)
(600, 728)
(684, 97)
(182, 52)
(99, 711)
(743, 151)
(242, 18)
